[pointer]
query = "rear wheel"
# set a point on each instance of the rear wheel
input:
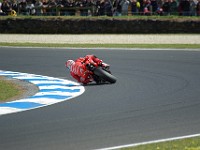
(105, 75)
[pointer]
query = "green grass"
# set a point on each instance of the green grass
(8, 90)
(172, 17)
(176, 46)
(184, 144)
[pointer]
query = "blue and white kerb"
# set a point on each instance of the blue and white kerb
(51, 90)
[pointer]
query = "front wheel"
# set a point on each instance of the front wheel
(105, 75)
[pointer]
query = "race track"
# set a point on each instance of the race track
(157, 96)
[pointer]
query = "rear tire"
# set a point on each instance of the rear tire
(105, 75)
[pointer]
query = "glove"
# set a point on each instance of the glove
(100, 63)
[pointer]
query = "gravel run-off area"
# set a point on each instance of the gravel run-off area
(102, 38)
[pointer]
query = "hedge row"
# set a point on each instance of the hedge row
(90, 26)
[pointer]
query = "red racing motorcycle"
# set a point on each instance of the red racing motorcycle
(100, 74)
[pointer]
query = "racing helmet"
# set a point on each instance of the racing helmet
(69, 63)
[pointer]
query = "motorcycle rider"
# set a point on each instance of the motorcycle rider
(78, 69)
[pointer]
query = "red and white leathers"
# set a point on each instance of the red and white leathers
(78, 68)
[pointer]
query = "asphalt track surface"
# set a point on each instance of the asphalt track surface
(157, 96)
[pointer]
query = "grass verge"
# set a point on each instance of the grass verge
(184, 144)
(9, 90)
(171, 17)
(174, 46)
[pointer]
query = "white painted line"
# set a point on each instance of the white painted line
(150, 142)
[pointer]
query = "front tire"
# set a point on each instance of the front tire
(105, 75)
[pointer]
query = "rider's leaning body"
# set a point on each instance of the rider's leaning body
(78, 69)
